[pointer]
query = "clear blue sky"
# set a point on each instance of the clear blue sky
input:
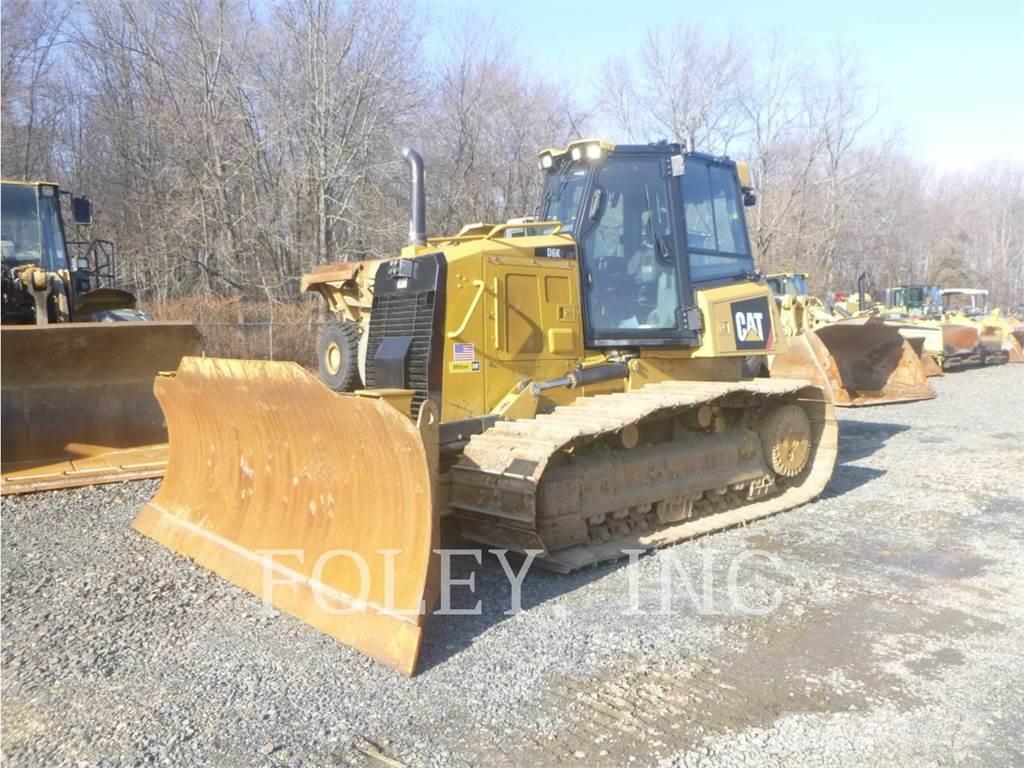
(949, 74)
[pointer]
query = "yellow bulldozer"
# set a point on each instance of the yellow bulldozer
(567, 385)
(865, 361)
(78, 356)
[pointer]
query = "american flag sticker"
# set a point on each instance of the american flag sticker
(464, 353)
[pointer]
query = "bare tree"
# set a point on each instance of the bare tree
(492, 119)
(681, 89)
(230, 145)
(30, 107)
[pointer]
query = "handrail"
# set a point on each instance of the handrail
(496, 230)
(469, 312)
(497, 313)
(525, 225)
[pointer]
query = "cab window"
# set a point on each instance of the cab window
(716, 234)
(561, 200)
(19, 219)
(55, 255)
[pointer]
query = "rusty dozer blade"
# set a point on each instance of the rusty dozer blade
(864, 361)
(78, 405)
(320, 503)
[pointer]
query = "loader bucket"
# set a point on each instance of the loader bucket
(1014, 348)
(318, 502)
(928, 364)
(864, 362)
(78, 405)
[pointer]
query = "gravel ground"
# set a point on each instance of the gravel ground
(889, 628)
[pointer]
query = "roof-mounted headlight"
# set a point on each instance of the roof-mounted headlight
(546, 161)
(588, 151)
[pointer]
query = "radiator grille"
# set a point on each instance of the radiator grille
(404, 314)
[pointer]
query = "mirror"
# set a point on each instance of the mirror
(81, 209)
(749, 199)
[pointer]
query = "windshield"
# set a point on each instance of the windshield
(561, 198)
(32, 232)
(19, 224)
(922, 296)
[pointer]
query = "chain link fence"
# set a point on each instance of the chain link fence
(262, 341)
(251, 330)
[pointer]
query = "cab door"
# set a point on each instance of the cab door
(636, 284)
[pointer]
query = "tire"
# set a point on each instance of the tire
(338, 356)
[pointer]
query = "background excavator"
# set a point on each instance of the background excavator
(569, 385)
(866, 361)
(78, 357)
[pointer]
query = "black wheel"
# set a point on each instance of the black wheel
(338, 356)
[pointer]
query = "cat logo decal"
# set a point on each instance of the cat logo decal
(752, 323)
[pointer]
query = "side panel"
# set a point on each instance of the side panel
(534, 330)
(513, 313)
(739, 321)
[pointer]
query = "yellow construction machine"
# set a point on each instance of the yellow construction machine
(970, 305)
(568, 385)
(953, 336)
(865, 361)
(78, 357)
(1013, 334)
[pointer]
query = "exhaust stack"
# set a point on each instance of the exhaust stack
(418, 216)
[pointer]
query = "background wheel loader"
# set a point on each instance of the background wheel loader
(866, 362)
(568, 385)
(78, 357)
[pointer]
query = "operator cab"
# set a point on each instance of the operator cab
(31, 226)
(32, 236)
(972, 302)
(651, 223)
(916, 299)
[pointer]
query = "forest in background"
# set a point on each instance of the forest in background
(230, 146)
